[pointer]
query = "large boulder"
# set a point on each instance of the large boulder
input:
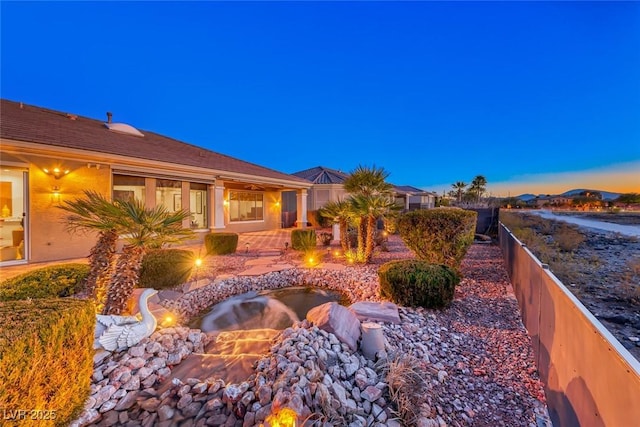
(338, 320)
(376, 311)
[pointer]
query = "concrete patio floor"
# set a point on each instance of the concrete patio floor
(270, 242)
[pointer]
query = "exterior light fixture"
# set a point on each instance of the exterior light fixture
(57, 173)
(198, 262)
(225, 202)
(285, 417)
(55, 194)
(246, 248)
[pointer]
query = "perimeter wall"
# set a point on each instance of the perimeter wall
(590, 379)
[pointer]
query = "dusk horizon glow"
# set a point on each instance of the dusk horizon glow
(538, 97)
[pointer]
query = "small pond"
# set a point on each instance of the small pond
(275, 309)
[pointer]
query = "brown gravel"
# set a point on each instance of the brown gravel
(481, 344)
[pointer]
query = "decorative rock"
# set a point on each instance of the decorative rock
(136, 362)
(184, 401)
(127, 401)
(337, 320)
(376, 311)
(371, 393)
(150, 405)
(137, 351)
(165, 412)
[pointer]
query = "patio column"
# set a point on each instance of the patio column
(301, 202)
(406, 202)
(335, 230)
(217, 193)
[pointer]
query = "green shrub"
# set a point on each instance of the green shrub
(48, 282)
(440, 235)
(303, 239)
(46, 357)
(416, 283)
(221, 243)
(166, 268)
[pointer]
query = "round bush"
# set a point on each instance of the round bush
(415, 283)
(166, 268)
(221, 243)
(56, 281)
(440, 235)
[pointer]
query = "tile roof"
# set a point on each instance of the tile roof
(322, 175)
(403, 189)
(54, 128)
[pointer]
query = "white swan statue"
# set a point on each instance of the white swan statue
(120, 332)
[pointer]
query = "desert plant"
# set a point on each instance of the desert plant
(48, 282)
(143, 229)
(407, 384)
(440, 235)
(370, 200)
(46, 357)
(340, 213)
(417, 283)
(95, 212)
(568, 238)
(303, 239)
(325, 238)
(166, 268)
(221, 243)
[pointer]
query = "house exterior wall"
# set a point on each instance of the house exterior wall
(321, 194)
(49, 238)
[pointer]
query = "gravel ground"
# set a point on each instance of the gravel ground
(491, 378)
(479, 342)
(474, 357)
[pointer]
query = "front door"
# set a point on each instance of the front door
(13, 215)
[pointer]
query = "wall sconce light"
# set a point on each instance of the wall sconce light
(57, 173)
(277, 203)
(225, 202)
(55, 194)
(246, 248)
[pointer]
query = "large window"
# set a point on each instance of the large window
(127, 187)
(245, 206)
(169, 194)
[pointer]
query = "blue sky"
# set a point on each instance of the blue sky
(537, 97)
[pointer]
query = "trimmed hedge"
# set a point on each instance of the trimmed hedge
(46, 357)
(303, 239)
(221, 243)
(440, 235)
(416, 283)
(48, 282)
(166, 268)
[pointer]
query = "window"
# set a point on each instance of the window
(245, 206)
(127, 187)
(198, 205)
(169, 194)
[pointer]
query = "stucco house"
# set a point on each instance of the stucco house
(49, 156)
(328, 187)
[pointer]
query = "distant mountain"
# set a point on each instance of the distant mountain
(606, 195)
(526, 197)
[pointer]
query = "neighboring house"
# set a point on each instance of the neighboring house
(49, 156)
(413, 198)
(328, 187)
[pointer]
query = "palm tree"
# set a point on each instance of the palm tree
(366, 185)
(95, 212)
(142, 228)
(340, 213)
(478, 186)
(458, 188)
(373, 207)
